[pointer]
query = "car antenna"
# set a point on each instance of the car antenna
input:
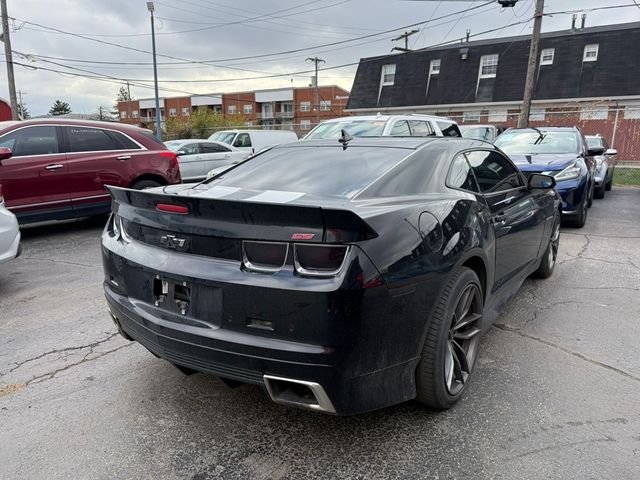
(344, 139)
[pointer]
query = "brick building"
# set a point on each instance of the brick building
(586, 77)
(290, 108)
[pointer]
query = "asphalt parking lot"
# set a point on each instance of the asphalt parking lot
(556, 392)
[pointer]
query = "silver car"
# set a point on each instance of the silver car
(196, 157)
(9, 233)
(605, 165)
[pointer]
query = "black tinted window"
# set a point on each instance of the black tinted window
(493, 172)
(421, 128)
(449, 129)
(31, 141)
(123, 140)
(189, 149)
(213, 148)
(242, 140)
(153, 139)
(400, 129)
(83, 139)
(461, 176)
(314, 170)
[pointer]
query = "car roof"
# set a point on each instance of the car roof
(409, 143)
(386, 117)
(69, 121)
(546, 129)
(187, 140)
(243, 130)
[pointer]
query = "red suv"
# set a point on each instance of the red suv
(53, 169)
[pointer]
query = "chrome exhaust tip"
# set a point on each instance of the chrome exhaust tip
(298, 393)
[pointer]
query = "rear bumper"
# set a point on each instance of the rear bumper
(9, 236)
(346, 341)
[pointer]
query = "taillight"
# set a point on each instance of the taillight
(1, 197)
(266, 257)
(172, 156)
(172, 208)
(319, 260)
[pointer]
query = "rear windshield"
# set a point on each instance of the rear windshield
(314, 170)
(153, 139)
(594, 142)
(478, 133)
(532, 142)
(355, 128)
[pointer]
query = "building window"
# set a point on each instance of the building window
(186, 111)
(232, 109)
(594, 113)
(488, 66)
(305, 106)
(287, 110)
(134, 114)
(173, 112)
(471, 117)
(388, 74)
(305, 124)
(590, 52)
(497, 115)
(537, 114)
(632, 113)
(247, 109)
(123, 114)
(546, 57)
(325, 105)
(434, 67)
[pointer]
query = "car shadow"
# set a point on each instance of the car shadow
(63, 227)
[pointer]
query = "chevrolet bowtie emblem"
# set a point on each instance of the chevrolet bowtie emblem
(171, 241)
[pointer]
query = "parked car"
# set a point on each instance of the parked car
(198, 157)
(386, 125)
(605, 164)
(337, 293)
(9, 231)
(58, 168)
(252, 141)
(563, 153)
(488, 133)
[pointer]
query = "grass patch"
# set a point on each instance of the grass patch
(626, 176)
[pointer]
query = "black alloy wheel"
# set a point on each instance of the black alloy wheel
(452, 341)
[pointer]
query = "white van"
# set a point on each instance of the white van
(253, 141)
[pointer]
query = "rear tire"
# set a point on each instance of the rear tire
(590, 197)
(451, 345)
(144, 184)
(609, 184)
(548, 261)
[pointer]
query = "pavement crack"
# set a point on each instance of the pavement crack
(52, 260)
(560, 446)
(507, 328)
(90, 346)
(49, 375)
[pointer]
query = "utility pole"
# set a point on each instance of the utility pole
(316, 61)
(155, 73)
(405, 36)
(532, 67)
(6, 38)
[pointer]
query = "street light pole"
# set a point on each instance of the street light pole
(6, 38)
(316, 61)
(532, 67)
(155, 73)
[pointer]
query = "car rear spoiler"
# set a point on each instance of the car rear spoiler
(239, 219)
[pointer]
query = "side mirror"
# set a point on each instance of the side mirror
(540, 181)
(5, 153)
(591, 151)
(611, 151)
(179, 153)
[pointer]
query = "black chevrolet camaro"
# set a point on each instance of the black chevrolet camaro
(341, 277)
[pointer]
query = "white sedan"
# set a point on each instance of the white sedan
(9, 233)
(197, 157)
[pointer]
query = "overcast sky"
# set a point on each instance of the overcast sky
(221, 30)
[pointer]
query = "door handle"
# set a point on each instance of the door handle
(122, 158)
(54, 166)
(499, 218)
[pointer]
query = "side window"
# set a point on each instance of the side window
(242, 140)
(123, 141)
(31, 141)
(190, 149)
(449, 129)
(400, 129)
(83, 139)
(421, 128)
(493, 172)
(461, 175)
(213, 148)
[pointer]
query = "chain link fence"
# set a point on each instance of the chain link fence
(300, 129)
(627, 176)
